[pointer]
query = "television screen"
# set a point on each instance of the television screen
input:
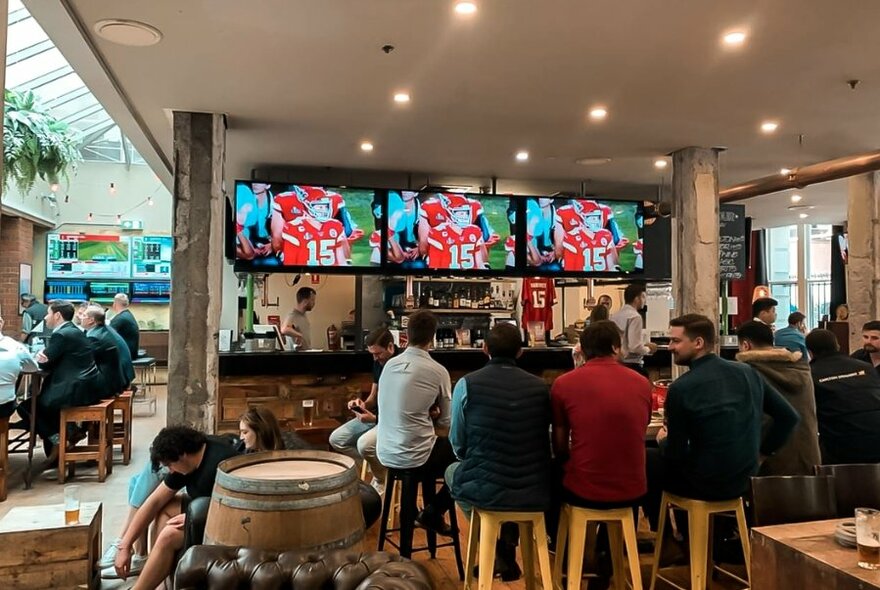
(438, 231)
(104, 291)
(151, 292)
(583, 235)
(87, 256)
(68, 290)
(306, 227)
(151, 257)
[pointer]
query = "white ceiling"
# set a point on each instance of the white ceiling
(304, 82)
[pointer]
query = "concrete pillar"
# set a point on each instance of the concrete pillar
(196, 276)
(863, 267)
(695, 234)
(4, 29)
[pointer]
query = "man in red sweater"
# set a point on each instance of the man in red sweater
(600, 413)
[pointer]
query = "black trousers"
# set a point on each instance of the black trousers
(7, 409)
(441, 457)
(46, 423)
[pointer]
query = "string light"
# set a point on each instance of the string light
(66, 198)
(150, 200)
(118, 218)
(90, 217)
(54, 187)
(112, 188)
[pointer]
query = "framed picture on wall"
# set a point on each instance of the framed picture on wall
(24, 279)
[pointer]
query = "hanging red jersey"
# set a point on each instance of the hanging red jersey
(538, 298)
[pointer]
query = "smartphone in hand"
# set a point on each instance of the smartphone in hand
(357, 409)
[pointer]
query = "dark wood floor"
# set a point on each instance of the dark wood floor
(445, 575)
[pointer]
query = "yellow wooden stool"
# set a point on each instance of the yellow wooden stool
(484, 529)
(700, 537)
(573, 525)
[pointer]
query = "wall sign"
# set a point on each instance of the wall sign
(732, 242)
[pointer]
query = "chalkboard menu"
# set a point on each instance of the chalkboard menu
(732, 246)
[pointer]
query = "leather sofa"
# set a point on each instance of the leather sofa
(215, 566)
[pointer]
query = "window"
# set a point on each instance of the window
(782, 246)
(818, 273)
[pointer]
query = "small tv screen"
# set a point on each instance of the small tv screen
(441, 231)
(279, 226)
(105, 291)
(151, 257)
(583, 236)
(80, 255)
(151, 291)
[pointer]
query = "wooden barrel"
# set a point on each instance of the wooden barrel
(282, 500)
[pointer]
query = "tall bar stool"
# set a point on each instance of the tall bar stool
(573, 525)
(121, 434)
(699, 523)
(101, 451)
(409, 480)
(484, 529)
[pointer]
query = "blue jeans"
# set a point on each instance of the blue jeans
(358, 440)
(141, 485)
(449, 476)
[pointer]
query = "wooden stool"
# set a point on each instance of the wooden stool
(573, 524)
(4, 456)
(484, 529)
(122, 430)
(700, 537)
(394, 505)
(100, 413)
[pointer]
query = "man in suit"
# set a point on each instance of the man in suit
(73, 378)
(110, 350)
(125, 324)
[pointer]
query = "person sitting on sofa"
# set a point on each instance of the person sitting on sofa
(192, 459)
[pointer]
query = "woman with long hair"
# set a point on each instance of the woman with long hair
(259, 431)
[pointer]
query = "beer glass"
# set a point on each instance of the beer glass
(71, 504)
(868, 537)
(308, 411)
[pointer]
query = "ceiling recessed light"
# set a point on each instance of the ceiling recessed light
(128, 32)
(366, 146)
(401, 97)
(465, 7)
(734, 38)
(803, 215)
(522, 156)
(593, 161)
(796, 198)
(769, 126)
(598, 113)
(660, 163)
(785, 171)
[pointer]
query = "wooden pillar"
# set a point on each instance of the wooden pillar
(196, 275)
(863, 267)
(695, 235)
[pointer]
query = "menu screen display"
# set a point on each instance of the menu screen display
(583, 236)
(450, 231)
(88, 256)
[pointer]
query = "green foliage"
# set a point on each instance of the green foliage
(35, 144)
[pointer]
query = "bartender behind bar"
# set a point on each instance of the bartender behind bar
(296, 326)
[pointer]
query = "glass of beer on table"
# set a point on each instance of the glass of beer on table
(71, 504)
(308, 411)
(868, 537)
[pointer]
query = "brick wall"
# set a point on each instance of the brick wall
(16, 247)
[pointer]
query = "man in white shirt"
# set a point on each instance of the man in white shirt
(411, 432)
(631, 325)
(14, 358)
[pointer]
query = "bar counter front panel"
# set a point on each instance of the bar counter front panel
(282, 380)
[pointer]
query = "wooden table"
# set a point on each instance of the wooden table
(806, 556)
(39, 551)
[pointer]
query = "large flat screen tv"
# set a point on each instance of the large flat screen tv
(80, 255)
(151, 257)
(450, 233)
(282, 226)
(583, 236)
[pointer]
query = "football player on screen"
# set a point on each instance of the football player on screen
(290, 205)
(315, 239)
(457, 244)
(589, 247)
(253, 224)
(438, 209)
(404, 213)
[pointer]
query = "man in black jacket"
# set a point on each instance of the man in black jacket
(124, 323)
(847, 402)
(73, 378)
(110, 356)
(500, 433)
(870, 351)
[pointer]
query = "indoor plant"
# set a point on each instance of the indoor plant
(35, 144)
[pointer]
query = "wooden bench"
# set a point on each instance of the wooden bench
(4, 456)
(100, 414)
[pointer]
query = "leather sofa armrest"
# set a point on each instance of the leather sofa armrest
(196, 517)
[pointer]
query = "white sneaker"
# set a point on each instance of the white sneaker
(379, 487)
(137, 566)
(109, 557)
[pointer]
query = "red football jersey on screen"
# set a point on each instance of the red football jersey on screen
(575, 250)
(308, 245)
(449, 248)
(597, 247)
(569, 218)
(538, 298)
(435, 211)
(289, 205)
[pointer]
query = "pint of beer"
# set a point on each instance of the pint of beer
(308, 411)
(71, 505)
(868, 537)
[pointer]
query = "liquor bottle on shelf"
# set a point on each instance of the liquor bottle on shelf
(475, 303)
(455, 299)
(465, 300)
(423, 298)
(432, 299)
